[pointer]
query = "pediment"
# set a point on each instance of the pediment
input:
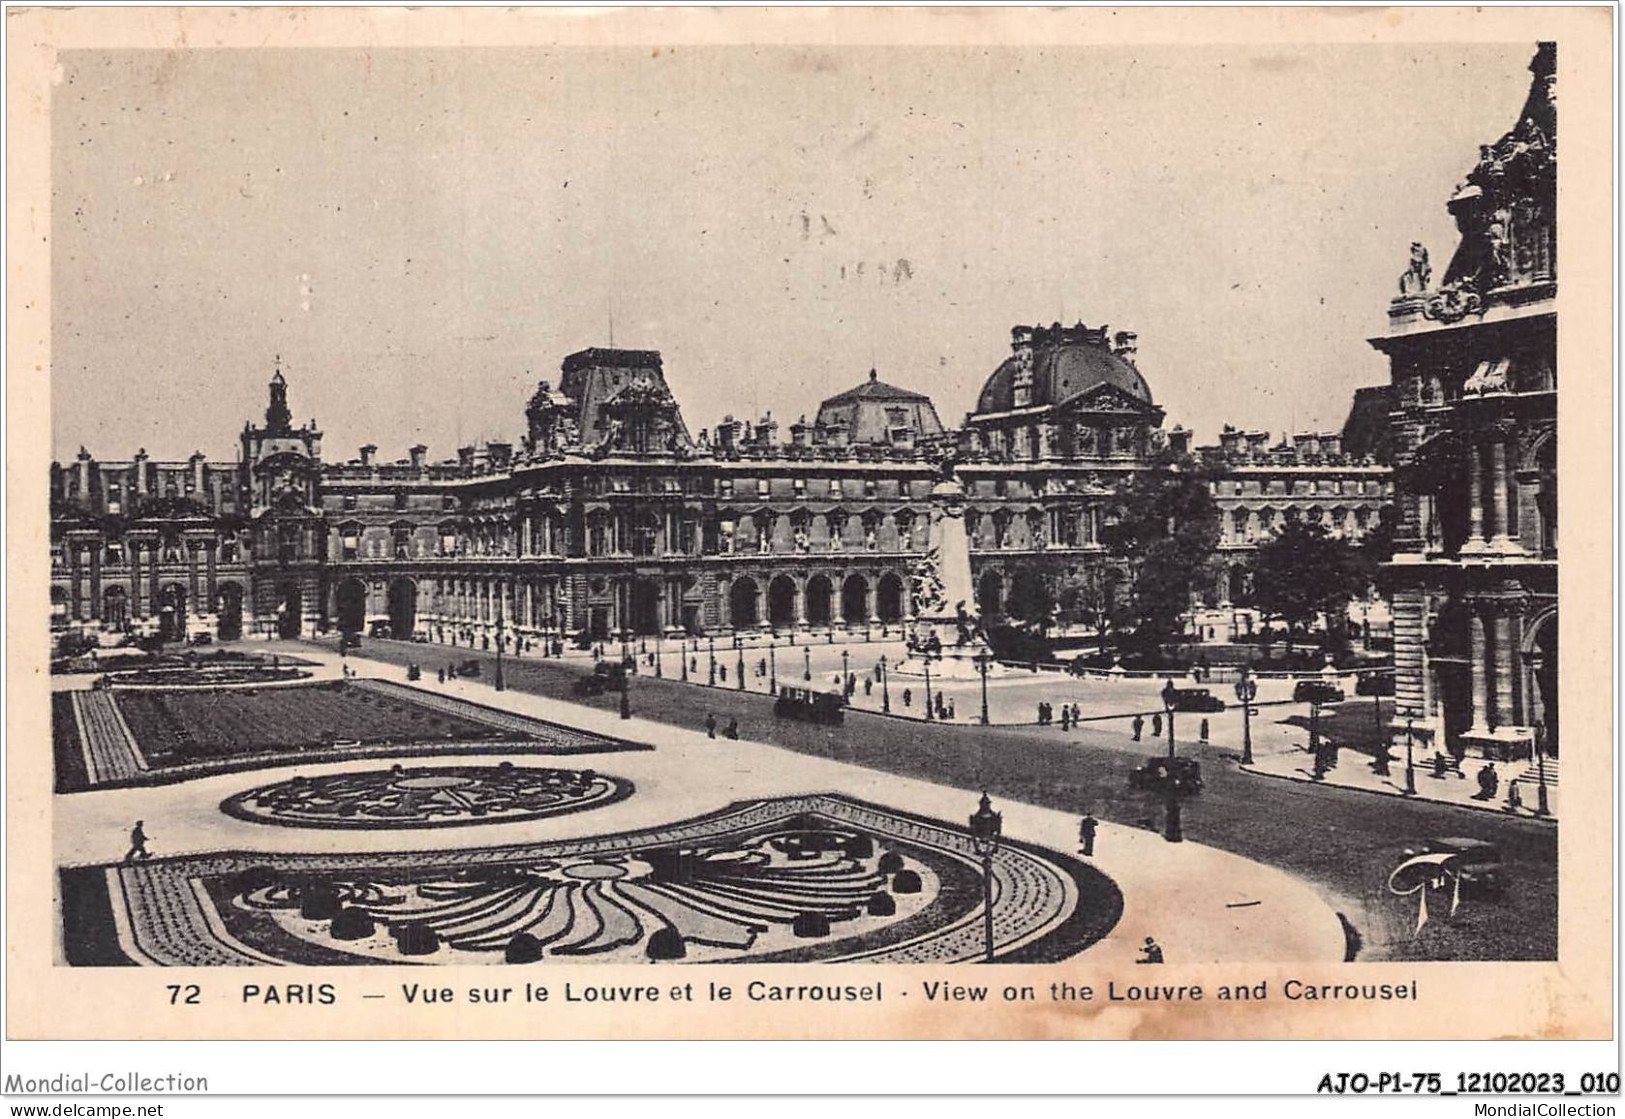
(1107, 398)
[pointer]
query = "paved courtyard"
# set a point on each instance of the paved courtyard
(1200, 902)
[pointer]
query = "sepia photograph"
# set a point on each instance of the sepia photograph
(1080, 502)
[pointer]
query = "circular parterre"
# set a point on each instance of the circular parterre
(427, 797)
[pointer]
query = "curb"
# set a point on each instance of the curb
(1552, 820)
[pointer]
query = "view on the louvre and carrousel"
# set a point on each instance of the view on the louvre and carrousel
(1063, 676)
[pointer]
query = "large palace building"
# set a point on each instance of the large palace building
(1474, 378)
(610, 516)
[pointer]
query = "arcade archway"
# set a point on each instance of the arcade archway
(290, 611)
(889, 598)
(781, 602)
(172, 612)
(820, 600)
(350, 605)
(228, 609)
(742, 596)
(403, 608)
(855, 600)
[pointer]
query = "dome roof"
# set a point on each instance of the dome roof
(1065, 361)
(875, 412)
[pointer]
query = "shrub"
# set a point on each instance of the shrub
(352, 924)
(255, 878)
(666, 944)
(810, 925)
(523, 949)
(882, 904)
(318, 903)
(891, 862)
(413, 939)
(859, 847)
(905, 882)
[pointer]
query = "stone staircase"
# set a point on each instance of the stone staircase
(1531, 773)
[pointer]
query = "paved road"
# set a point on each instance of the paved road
(1347, 841)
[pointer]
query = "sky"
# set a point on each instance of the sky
(422, 235)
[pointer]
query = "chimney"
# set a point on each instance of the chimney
(1306, 444)
(418, 452)
(1126, 345)
(1258, 443)
(367, 452)
(465, 459)
(501, 455)
(1331, 444)
(1230, 441)
(141, 472)
(1179, 441)
(767, 430)
(798, 433)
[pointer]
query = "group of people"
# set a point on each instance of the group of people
(1070, 715)
(730, 731)
(1137, 726)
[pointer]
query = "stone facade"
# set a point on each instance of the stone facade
(1474, 432)
(610, 516)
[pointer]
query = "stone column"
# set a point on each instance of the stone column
(1506, 679)
(1475, 500)
(801, 603)
(1480, 672)
(76, 592)
(211, 562)
(96, 580)
(1501, 538)
(191, 571)
(138, 608)
(154, 601)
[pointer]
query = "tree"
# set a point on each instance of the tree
(1030, 598)
(1165, 533)
(1303, 571)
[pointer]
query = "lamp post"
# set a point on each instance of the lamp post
(1410, 756)
(806, 663)
(844, 655)
(1381, 765)
(682, 659)
(499, 682)
(982, 660)
(885, 691)
(1536, 661)
(925, 659)
(1314, 740)
(1246, 692)
(1170, 699)
(626, 701)
(772, 667)
(739, 669)
(660, 644)
(986, 826)
(711, 666)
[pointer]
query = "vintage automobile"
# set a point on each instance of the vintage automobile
(202, 639)
(1375, 683)
(1316, 691)
(1477, 862)
(380, 629)
(1158, 774)
(470, 667)
(606, 676)
(809, 706)
(1196, 699)
(349, 639)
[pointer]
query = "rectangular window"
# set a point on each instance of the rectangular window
(762, 489)
(835, 487)
(800, 487)
(869, 487)
(349, 501)
(725, 487)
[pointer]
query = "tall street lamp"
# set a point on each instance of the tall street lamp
(986, 826)
(626, 702)
(982, 660)
(1536, 660)
(1170, 700)
(1314, 740)
(1410, 755)
(925, 659)
(806, 663)
(739, 669)
(1246, 692)
(499, 683)
(772, 667)
(885, 691)
(711, 655)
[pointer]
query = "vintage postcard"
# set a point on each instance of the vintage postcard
(862, 524)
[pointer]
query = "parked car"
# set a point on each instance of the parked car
(606, 677)
(1196, 699)
(1158, 773)
(202, 639)
(349, 640)
(420, 638)
(1375, 683)
(809, 706)
(470, 667)
(378, 629)
(1316, 691)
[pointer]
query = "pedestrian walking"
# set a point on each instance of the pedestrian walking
(868, 685)
(1066, 717)
(138, 844)
(1086, 834)
(950, 709)
(1156, 726)
(733, 728)
(710, 724)
(1077, 714)
(908, 696)
(1201, 732)
(1139, 726)
(722, 673)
